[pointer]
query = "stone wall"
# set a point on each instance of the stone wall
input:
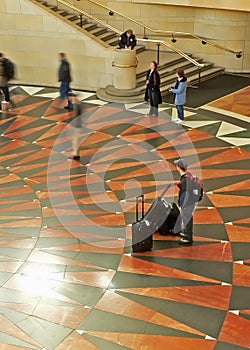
(32, 39)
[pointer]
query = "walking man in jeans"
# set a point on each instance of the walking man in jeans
(65, 78)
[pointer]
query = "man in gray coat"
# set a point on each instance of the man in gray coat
(179, 90)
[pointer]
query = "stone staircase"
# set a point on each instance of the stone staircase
(167, 73)
(108, 38)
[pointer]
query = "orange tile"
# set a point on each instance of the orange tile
(115, 303)
(241, 275)
(133, 265)
(238, 233)
(64, 315)
(207, 216)
(195, 295)
(210, 252)
(235, 330)
(221, 200)
(74, 341)
(99, 279)
(9, 328)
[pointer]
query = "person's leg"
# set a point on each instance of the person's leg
(178, 225)
(180, 112)
(76, 142)
(63, 91)
(69, 97)
(187, 219)
(155, 104)
(6, 93)
(150, 95)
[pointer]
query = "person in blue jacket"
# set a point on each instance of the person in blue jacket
(179, 90)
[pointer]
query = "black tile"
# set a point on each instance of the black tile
(240, 299)
(218, 270)
(206, 320)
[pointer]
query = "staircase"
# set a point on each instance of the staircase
(167, 73)
(108, 37)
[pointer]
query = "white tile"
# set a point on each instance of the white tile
(49, 95)
(133, 105)
(198, 123)
(81, 95)
(96, 102)
(236, 141)
(31, 90)
(227, 128)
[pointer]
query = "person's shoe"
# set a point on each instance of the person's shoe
(185, 241)
(154, 115)
(74, 157)
(69, 108)
(178, 233)
(178, 121)
(182, 234)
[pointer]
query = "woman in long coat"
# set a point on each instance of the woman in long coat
(153, 93)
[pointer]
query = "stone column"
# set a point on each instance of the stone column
(125, 63)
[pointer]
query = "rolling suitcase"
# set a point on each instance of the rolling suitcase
(167, 227)
(144, 228)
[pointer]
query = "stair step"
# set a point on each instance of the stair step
(63, 13)
(108, 36)
(73, 18)
(102, 94)
(89, 26)
(99, 31)
(111, 90)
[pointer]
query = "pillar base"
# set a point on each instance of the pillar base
(111, 94)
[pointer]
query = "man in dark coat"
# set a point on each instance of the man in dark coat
(127, 40)
(65, 78)
(4, 78)
(153, 93)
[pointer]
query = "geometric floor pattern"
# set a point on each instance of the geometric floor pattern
(68, 279)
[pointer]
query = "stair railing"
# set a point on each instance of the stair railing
(83, 13)
(172, 34)
(157, 42)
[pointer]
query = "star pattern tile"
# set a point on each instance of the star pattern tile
(68, 279)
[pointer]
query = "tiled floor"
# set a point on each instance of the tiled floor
(68, 279)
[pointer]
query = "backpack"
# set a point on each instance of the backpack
(197, 190)
(9, 69)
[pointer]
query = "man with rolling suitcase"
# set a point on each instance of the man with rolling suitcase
(190, 192)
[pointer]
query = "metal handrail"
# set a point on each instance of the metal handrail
(171, 33)
(88, 15)
(160, 42)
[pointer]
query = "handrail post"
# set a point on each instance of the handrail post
(81, 20)
(158, 53)
(199, 76)
(144, 33)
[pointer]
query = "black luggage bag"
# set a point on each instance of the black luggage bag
(167, 228)
(143, 229)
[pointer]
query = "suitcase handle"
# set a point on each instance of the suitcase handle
(137, 207)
